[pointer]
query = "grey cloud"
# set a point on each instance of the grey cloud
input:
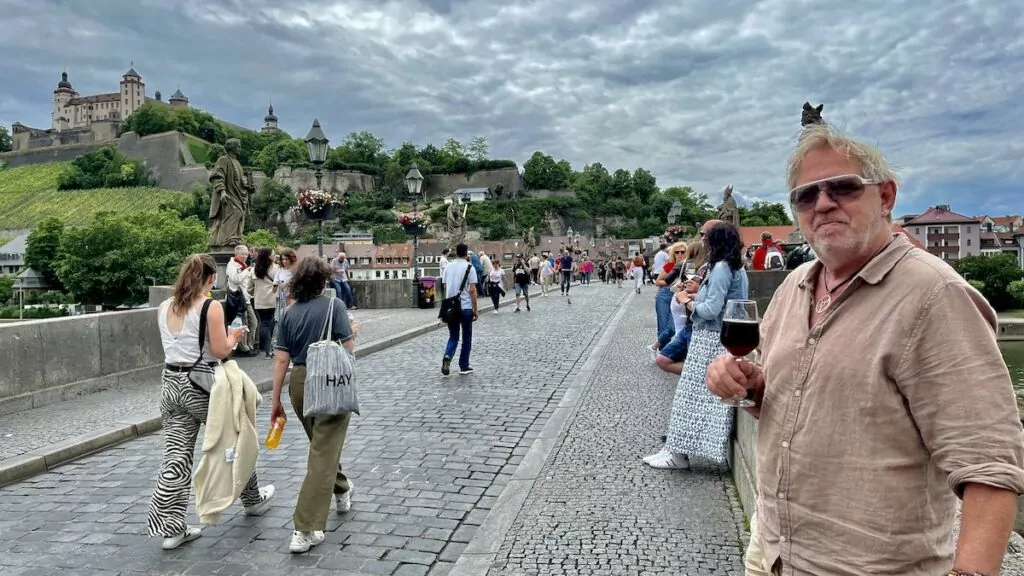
(702, 93)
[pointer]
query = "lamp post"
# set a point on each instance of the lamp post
(316, 143)
(513, 220)
(414, 183)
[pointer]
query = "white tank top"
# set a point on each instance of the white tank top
(182, 349)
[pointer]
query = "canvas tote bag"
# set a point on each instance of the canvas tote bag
(330, 388)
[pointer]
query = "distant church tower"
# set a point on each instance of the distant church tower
(270, 120)
(59, 119)
(133, 92)
(178, 100)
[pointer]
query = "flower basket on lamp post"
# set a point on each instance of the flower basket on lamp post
(317, 204)
(415, 223)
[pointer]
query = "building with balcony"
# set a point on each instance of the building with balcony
(946, 234)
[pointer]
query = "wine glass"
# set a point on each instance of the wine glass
(741, 335)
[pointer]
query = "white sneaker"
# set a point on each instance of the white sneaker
(260, 508)
(303, 541)
(669, 461)
(652, 352)
(656, 455)
(188, 535)
(344, 500)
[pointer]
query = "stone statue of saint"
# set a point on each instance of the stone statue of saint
(229, 201)
(529, 240)
(728, 211)
(811, 115)
(456, 222)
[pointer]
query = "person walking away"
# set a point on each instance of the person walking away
(460, 280)
(663, 257)
(264, 299)
(700, 423)
(239, 287)
(521, 278)
(638, 270)
(535, 268)
(547, 276)
(183, 405)
(496, 284)
(339, 280)
(303, 324)
(884, 350)
(565, 268)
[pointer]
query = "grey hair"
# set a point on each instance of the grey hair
(240, 248)
(873, 165)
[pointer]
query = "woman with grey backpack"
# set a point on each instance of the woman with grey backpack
(301, 326)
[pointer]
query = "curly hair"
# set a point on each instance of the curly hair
(724, 244)
(310, 279)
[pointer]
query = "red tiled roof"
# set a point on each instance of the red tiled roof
(938, 215)
(897, 229)
(751, 235)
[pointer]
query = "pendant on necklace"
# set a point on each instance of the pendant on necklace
(823, 304)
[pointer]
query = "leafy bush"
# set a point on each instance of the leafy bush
(1016, 289)
(6, 288)
(996, 273)
(104, 168)
(389, 234)
(261, 239)
(35, 313)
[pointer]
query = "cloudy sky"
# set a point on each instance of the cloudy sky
(702, 93)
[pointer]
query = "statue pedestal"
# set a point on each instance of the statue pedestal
(222, 255)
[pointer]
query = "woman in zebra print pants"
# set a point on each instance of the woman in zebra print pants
(183, 406)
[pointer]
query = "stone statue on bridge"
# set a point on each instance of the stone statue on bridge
(456, 222)
(811, 114)
(530, 240)
(230, 198)
(728, 211)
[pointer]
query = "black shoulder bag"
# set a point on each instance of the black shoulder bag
(201, 374)
(451, 308)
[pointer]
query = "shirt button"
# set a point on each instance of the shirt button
(811, 341)
(781, 495)
(797, 393)
(785, 443)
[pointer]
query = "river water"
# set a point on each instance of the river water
(1013, 353)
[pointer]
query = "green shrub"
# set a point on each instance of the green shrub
(104, 168)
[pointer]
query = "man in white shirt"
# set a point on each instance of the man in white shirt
(660, 259)
(535, 269)
(460, 278)
(444, 260)
(239, 286)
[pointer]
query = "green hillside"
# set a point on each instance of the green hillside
(29, 194)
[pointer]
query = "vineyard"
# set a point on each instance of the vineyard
(29, 194)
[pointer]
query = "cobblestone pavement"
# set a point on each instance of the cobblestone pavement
(428, 457)
(596, 509)
(32, 429)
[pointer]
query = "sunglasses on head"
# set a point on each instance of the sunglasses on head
(840, 189)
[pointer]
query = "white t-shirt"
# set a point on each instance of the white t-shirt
(678, 315)
(496, 275)
(660, 259)
(454, 272)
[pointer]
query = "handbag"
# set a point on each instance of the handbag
(451, 308)
(201, 374)
(330, 386)
(234, 305)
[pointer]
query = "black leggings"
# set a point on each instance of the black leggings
(266, 316)
(566, 280)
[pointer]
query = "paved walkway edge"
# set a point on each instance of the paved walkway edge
(38, 461)
(482, 550)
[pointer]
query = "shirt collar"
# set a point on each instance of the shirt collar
(876, 269)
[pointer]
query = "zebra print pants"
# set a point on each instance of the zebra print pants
(183, 409)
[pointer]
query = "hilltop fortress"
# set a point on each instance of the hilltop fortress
(78, 119)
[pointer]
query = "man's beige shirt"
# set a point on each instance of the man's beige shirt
(874, 419)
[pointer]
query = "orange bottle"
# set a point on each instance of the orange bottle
(274, 436)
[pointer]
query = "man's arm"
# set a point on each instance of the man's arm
(960, 395)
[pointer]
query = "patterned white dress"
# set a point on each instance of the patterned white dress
(701, 424)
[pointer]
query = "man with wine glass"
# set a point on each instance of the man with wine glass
(880, 393)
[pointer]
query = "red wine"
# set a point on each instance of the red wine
(740, 337)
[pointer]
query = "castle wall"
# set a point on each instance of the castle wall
(50, 154)
(441, 185)
(165, 155)
(335, 181)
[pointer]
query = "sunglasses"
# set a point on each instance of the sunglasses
(840, 189)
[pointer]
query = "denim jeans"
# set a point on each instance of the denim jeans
(466, 326)
(663, 309)
(344, 292)
(566, 281)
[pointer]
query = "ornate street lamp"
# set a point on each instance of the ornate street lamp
(414, 183)
(316, 143)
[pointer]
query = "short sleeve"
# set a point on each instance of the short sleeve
(341, 330)
(473, 278)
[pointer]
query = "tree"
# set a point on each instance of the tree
(499, 230)
(762, 213)
(1016, 289)
(541, 172)
(104, 168)
(622, 184)
(6, 288)
(360, 148)
(389, 234)
(478, 149)
(997, 273)
(645, 185)
(114, 259)
(150, 118)
(595, 184)
(261, 238)
(273, 199)
(6, 145)
(41, 249)
(290, 152)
